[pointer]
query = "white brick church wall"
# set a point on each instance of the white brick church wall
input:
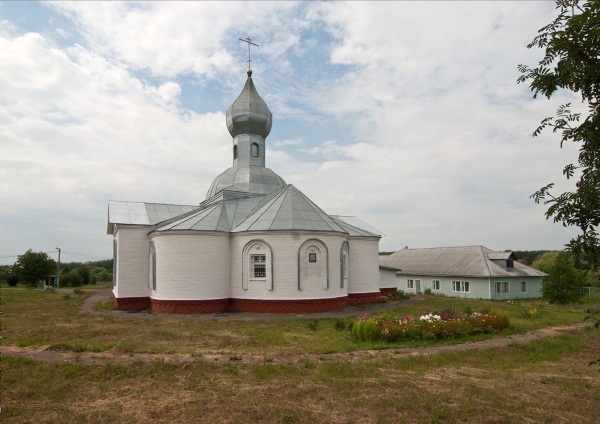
(364, 265)
(284, 247)
(191, 266)
(133, 246)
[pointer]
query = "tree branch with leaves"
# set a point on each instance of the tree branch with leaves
(572, 62)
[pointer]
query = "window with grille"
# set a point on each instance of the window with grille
(259, 266)
(435, 285)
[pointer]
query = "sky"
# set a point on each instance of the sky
(404, 114)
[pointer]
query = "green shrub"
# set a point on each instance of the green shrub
(427, 291)
(364, 330)
(12, 280)
(339, 325)
(398, 295)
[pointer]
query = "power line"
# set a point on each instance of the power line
(73, 254)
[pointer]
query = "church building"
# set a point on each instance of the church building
(255, 244)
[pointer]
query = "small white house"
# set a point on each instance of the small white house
(471, 271)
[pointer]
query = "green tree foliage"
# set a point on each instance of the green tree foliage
(85, 273)
(545, 261)
(572, 62)
(71, 278)
(528, 256)
(12, 279)
(32, 267)
(563, 283)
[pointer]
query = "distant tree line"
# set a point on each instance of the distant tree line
(34, 268)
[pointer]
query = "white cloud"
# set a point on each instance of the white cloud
(415, 125)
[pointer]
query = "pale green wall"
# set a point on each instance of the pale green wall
(480, 288)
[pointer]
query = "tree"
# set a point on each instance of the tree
(545, 261)
(572, 62)
(31, 267)
(84, 272)
(562, 283)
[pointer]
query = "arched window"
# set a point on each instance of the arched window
(235, 151)
(115, 254)
(254, 150)
(344, 253)
(257, 264)
(313, 265)
(153, 264)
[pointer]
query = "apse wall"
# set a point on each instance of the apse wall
(302, 272)
(192, 272)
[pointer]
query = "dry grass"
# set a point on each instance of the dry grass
(545, 381)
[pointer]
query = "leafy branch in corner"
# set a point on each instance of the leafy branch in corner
(572, 62)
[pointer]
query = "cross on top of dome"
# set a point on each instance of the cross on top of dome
(249, 41)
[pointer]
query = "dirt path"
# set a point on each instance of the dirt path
(49, 355)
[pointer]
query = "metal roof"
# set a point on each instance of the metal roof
(356, 227)
(288, 209)
(141, 213)
(466, 261)
(251, 179)
(249, 114)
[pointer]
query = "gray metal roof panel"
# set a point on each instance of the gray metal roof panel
(358, 225)
(287, 209)
(251, 179)
(467, 261)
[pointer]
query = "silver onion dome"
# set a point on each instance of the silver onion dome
(249, 113)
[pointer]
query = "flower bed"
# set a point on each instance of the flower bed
(393, 328)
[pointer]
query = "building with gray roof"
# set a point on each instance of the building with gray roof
(468, 271)
(255, 243)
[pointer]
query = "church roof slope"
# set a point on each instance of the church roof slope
(212, 218)
(142, 213)
(466, 261)
(288, 209)
(356, 227)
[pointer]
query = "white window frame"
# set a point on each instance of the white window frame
(461, 286)
(410, 284)
(253, 266)
(502, 287)
(523, 286)
(435, 285)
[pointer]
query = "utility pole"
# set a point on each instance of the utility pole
(58, 269)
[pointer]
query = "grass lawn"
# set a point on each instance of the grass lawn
(544, 381)
(35, 318)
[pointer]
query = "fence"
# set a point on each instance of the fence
(591, 292)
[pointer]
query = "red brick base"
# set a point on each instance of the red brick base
(289, 306)
(131, 303)
(387, 291)
(190, 306)
(356, 298)
(299, 306)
